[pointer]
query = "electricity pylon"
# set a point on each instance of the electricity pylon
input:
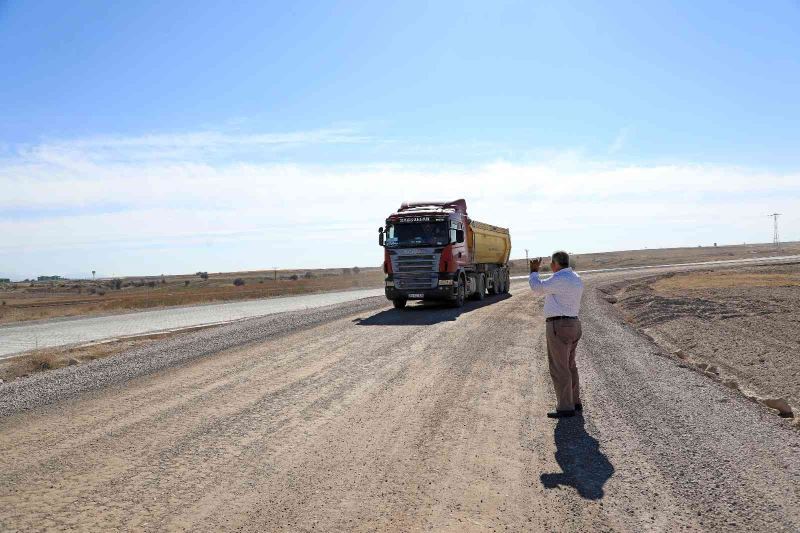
(775, 237)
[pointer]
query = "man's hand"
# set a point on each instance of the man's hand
(535, 263)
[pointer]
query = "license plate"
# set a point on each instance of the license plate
(416, 295)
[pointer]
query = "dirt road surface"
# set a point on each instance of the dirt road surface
(362, 417)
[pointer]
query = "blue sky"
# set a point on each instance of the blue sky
(172, 137)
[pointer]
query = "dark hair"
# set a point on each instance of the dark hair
(561, 258)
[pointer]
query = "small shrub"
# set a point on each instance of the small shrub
(151, 284)
(356, 270)
(43, 362)
(4, 302)
(346, 272)
(294, 277)
(101, 292)
(186, 283)
(308, 275)
(203, 275)
(92, 290)
(116, 284)
(238, 282)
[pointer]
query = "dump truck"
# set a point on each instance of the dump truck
(434, 251)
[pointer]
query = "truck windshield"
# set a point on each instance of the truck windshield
(417, 234)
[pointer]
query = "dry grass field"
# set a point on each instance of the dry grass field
(664, 256)
(23, 301)
(47, 299)
(726, 280)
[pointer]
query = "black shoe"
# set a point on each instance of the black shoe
(561, 414)
(579, 407)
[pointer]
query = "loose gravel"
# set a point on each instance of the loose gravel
(48, 387)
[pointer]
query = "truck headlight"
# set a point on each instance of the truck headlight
(390, 283)
(445, 282)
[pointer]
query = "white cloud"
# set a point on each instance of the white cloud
(118, 192)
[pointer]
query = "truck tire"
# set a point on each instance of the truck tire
(461, 294)
(506, 283)
(399, 303)
(495, 288)
(481, 294)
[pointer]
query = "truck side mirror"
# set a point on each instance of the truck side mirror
(459, 235)
(380, 236)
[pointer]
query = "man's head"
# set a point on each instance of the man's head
(560, 259)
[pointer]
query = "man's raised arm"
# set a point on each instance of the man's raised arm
(539, 286)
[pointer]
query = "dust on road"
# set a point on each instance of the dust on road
(400, 420)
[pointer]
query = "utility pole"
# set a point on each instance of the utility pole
(92, 274)
(526, 256)
(775, 237)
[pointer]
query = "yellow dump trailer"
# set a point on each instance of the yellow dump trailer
(489, 244)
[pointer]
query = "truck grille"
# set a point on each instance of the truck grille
(415, 271)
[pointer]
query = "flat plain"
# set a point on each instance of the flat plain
(36, 300)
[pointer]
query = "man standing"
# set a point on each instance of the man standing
(562, 302)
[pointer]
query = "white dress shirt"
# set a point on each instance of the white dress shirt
(562, 292)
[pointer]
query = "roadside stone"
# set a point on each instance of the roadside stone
(72, 362)
(611, 299)
(780, 405)
(731, 384)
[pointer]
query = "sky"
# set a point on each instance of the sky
(173, 137)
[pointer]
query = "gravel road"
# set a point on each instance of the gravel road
(15, 338)
(362, 417)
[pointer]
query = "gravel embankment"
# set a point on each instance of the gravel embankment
(740, 326)
(48, 387)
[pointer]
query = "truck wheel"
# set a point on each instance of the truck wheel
(481, 294)
(506, 283)
(495, 288)
(399, 303)
(460, 294)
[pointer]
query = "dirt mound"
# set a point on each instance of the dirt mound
(738, 325)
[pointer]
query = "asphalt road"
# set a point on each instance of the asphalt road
(362, 417)
(15, 338)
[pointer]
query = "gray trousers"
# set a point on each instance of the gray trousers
(562, 339)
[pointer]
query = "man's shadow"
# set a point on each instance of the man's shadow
(578, 454)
